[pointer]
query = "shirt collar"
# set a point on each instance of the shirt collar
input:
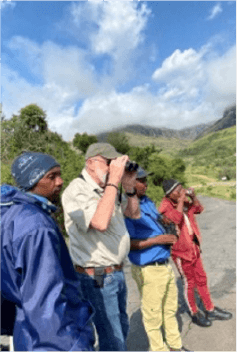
(143, 199)
(172, 202)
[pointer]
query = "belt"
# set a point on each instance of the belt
(159, 263)
(105, 269)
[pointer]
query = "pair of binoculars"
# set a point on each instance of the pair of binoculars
(131, 166)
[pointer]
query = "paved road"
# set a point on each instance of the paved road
(218, 228)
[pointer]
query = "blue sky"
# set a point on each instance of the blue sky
(96, 65)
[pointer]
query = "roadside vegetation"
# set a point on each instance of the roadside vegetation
(28, 131)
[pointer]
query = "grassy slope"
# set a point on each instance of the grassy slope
(204, 159)
(215, 145)
(168, 145)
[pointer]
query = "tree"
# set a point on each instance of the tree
(82, 141)
(164, 167)
(119, 141)
(34, 118)
(141, 155)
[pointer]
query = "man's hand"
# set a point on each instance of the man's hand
(153, 241)
(116, 169)
(192, 193)
(166, 239)
(164, 220)
(195, 200)
(182, 199)
(182, 196)
(129, 181)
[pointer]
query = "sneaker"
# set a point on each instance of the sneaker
(200, 319)
(218, 314)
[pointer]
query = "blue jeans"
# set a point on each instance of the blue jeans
(109, 302)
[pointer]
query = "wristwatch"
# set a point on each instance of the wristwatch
(131, 194)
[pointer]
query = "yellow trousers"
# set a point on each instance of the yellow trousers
(159, 305)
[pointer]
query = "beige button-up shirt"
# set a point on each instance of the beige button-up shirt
(89, 247)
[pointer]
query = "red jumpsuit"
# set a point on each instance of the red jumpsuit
(186, 253)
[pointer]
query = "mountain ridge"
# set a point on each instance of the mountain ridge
(149, 131)
(188, 133)
(228, 120)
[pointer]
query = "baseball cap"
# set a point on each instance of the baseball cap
(141, 173)
(103, 149)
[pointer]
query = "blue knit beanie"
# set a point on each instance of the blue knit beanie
(29, 167)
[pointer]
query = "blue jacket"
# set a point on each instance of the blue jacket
(146, 226)
(37, 274)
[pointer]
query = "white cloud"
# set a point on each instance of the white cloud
(222, 79)
(101, 113)
(120, 27)
(184, 100)
(178, 64)
(195, 90)
(114, 27)
(215, 11)
(17, 93)
(7, 4)
(67, 68)
(181, 74)
(189, 87)
(28, 52)
(65, 74)
(112, 30)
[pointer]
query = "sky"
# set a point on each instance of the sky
(96, 65)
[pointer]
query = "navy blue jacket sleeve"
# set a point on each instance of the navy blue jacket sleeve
(54, 317)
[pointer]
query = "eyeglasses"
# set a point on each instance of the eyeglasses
(107, 161)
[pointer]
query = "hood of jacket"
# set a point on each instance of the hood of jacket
(12, 195)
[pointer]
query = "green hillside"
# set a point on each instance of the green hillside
(214, 150)
(208, 160)
(168, 145)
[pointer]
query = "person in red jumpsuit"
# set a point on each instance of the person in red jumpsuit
(186, 252)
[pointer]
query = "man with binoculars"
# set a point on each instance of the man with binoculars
(99, 240)
(151, 242)
(186, 252)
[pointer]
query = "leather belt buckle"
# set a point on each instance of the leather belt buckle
(92, 271)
